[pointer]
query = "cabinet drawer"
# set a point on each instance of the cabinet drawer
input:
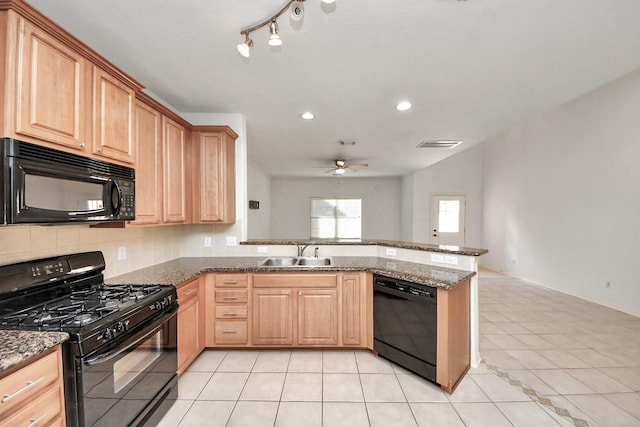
(40, 411)
(226, 296)
(295, 280)
(231, 311)
(188, 291)
(232, 280)
(25, 383)
(231, 332)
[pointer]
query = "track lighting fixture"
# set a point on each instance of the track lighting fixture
(297, 12)
(244, 48)
(274, 38)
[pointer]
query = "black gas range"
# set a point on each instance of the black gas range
(120, 361)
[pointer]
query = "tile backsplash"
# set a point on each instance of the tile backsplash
(144, 246)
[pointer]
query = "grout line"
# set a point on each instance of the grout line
(532, 393)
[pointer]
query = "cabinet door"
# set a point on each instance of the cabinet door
(272, 317)
(190, 342)
(113, 105)
(53, 90)
(352, 309)
(317, 317)
(216, 160)
(148, 137)
(174, 181)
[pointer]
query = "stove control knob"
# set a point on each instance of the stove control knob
(108, 334)
(121, 326)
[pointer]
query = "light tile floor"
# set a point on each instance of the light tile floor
(550, 360)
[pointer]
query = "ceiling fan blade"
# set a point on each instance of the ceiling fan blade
(330, 170)
(360, 165)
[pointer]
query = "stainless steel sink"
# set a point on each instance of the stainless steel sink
(296, 262)
(279, 262)
(314, 262)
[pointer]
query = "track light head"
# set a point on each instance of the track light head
(244, 48)
(274, 38)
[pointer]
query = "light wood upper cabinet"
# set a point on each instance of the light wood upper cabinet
(53, 90)
(113, 116)
(174, 179)
(214, 186)
(148, 138)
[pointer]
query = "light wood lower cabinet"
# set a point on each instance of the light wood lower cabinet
(191, 340)
(34, 394)
(317, 317)
(323, 309)
(273, 317)
(303, 311)
(227, 318)
(453, 356)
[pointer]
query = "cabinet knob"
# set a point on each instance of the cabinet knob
(99, 149)
(82, 145)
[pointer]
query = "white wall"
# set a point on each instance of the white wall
(561, 199)
(458, 174)
(406, 211)
(259, 189)
(381, 201)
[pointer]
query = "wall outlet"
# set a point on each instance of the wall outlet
(437, 257)
(262, 249)
(122, 253)
(391, 251)
(208, 241)
(450, 259)
(232, 241)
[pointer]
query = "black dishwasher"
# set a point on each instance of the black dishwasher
(405, 317)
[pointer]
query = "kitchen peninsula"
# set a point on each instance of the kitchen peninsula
(238, 302)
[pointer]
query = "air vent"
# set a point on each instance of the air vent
(439, 144)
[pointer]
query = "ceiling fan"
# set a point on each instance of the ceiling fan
(341, 166)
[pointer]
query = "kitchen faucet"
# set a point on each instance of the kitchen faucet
(302, 247)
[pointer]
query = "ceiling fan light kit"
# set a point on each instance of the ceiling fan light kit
(296, 8)
(340, 167)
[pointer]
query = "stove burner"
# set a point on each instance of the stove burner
(82, 306)
(83, 318)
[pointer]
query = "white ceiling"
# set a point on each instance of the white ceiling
(471, 69)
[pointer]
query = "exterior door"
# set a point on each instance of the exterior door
(448, 214)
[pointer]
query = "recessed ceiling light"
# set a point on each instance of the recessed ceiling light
(307, 116)
(403, 106)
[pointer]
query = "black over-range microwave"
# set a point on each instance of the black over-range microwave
(43, 185)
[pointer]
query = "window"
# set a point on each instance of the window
(336, 218)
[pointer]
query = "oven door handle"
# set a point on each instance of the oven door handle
(130, 342)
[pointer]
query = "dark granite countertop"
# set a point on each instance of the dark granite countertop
(182, 269)
(18, 346)
(457, 250)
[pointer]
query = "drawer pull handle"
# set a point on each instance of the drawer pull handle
(230, 282)
(229, 297)
(8, 397)
(230, 331)
(189, 292)
(229, 313)
(35, 421)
